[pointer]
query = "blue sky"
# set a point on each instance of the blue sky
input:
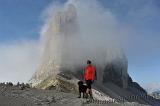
(22, 19)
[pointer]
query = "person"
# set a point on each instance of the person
(89, 76)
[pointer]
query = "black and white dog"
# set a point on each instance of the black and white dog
(82, 89)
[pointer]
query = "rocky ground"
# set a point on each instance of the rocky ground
(19, 96)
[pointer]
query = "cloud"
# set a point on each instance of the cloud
(141, 19)
(18, 60)
(95, 34)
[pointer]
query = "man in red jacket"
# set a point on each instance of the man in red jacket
(89, 76)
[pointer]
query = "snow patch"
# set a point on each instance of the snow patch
(101, 96)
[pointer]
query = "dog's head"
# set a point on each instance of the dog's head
(80, 83)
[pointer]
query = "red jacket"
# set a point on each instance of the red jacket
(90, 73)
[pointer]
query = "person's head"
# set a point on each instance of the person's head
(89, 62)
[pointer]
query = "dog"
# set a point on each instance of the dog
(82, 89)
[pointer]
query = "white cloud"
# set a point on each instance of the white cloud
(18, 61)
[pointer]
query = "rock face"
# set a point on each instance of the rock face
(64, 52)
(110, 74)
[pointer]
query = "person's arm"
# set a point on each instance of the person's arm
(84, 72)
(95, 74)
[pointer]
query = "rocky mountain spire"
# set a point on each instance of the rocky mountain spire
(64, 50)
